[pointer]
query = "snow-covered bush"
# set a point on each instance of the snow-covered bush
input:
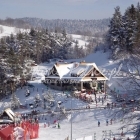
(15, 102)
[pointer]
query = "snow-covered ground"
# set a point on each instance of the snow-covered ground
(82, 41)
(7, 31)
(84, 122)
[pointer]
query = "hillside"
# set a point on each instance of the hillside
(7, 31)
(83, 120)
(83, 27)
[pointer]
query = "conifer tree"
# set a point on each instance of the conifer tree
(115, 35)
(130, 27)
(137, 35)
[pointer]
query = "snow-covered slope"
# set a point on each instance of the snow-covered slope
(82, 41)
(84, 122)
(7, 31)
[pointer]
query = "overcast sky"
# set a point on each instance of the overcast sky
(62, 9)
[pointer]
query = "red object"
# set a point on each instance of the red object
(6, 133)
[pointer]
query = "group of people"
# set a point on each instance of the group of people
(56, 124)
(107, 122)
(100, 100)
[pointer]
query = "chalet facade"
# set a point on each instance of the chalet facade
(80, 75)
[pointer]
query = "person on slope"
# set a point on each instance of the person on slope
(98, 123)
(58, 126)
(111, 121)
(106, 122)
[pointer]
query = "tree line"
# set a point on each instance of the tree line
(39, 46)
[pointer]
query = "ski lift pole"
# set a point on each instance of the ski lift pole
(71, 118)
(105, 134)
(110, 133)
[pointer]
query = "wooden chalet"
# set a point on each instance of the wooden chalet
(80, 75)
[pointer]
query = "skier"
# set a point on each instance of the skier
(106, 122)
(99, 98)
(122, 134)
(105, 97)
(98, 123)
(58, 126)
(48, 124)
(88, 106)
(44, 125)
(42, 90)
(96, 102)
(111, 121)
(114, 138)
(128, 138)
(54, 122)
(112, 105)
(102, 101)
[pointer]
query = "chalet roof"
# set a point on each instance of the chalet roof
(75, 71)
(10, 113)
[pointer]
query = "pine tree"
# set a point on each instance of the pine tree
(115, 35)
(130, 27)
(32, 32)
(137, 35)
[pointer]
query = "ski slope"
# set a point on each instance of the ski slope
(84, 122)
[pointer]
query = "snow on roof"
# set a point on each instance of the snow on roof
(80, 69)
(75, 71)
(95, 66)
(10, 113)
(64, 69)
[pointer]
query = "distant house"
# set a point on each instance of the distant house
(80, 75)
